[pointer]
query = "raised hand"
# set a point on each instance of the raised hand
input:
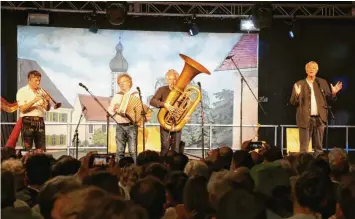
(297, 89)
(338, 86)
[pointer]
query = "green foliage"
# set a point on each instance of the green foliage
(99, 137)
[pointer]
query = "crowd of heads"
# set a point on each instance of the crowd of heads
(245, 184)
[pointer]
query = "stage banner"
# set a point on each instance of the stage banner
(152, 139)
(293, 140)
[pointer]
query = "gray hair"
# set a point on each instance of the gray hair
(196, 168)
(218, 185)
(171, 72)
(337, 158)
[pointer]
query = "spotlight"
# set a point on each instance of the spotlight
(247, 25)
(291, 34)
(193, 29)
(117, 12)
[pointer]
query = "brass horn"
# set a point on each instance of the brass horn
(184, 98)
(45, 93)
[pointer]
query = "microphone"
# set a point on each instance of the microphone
(199, 84)
(80, 84)
(138, 89)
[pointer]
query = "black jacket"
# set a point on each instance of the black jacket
(303, 101)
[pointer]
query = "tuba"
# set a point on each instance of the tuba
(184, 98)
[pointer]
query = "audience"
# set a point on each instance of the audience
(37, 172)
(245, 184)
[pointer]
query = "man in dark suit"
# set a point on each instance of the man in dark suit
(158, 101)
(309, 96)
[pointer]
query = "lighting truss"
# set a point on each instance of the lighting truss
(186, 9)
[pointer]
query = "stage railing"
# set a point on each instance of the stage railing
(347, 127)
(67, 129)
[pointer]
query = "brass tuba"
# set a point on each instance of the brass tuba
(184, 98)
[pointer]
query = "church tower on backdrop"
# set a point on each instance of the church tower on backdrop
(118, 65)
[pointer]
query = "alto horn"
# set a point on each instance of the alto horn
(56, 104)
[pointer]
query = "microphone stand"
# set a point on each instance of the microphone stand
(108, 116)
(328, 109)
(202, 124)
(242, 79)
(143, 113)
(76, 135)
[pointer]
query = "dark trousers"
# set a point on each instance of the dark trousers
(33, 130)
(126, 134)
(165, 141)
(315, 133)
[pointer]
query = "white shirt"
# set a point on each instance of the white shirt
(117, 99)
(314, 109)
(25, 95)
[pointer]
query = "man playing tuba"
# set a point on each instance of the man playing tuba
(158, 101)
(33, 103)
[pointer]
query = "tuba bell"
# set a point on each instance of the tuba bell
(184, 98)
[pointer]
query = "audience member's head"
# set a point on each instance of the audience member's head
(196, 200)
(126, 161)
(303, 160)
(150, 194)
(240, 204)
(16, 167)
(157, 170)
(65, 166)
(345, 207)
(89, 203)
(175, 188)
(217, 186)
(52, 189)
(339, 163)
(319, 164)
(241, 159)
(311, 190)
(177, 162)
(225, 157)
(129, 176)
(196, 168)
(7, 189)
(147, 157)
(272, 154)
(104, 180)
(38, 169)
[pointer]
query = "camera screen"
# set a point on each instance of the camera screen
(100, 161)
(255, 145)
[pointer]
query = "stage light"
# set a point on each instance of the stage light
(193, 29)
(117, 12)
(291, 34)
(37, 19)
(247, 25)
